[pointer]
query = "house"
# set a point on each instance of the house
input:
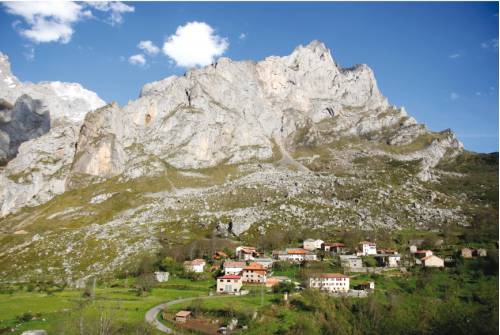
(388, 260)
(233, 268)
(482, 252)
(246, 253)
(423, 253)
(466, 253)
(254, 273)
(413, 249)
(367, 285)
(229, 284)
(161, 276)
(219, 255)
(294, 255)
(331, 282)
(351, 261)
(432, 262)
(312, 244)
(182, 316)
(271, 281)
(336, 248)
(196, 265)
(265, 262)
(367, 248)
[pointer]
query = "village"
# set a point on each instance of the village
(249, 269)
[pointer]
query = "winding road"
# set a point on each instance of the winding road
(151, 315)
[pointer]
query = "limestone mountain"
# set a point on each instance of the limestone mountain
(237, 148)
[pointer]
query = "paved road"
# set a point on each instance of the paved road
(151, 315)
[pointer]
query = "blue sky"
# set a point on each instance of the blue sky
(439, 60)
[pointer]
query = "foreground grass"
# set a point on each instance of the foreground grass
(52, 311)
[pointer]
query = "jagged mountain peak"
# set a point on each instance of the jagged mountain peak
(228, 113)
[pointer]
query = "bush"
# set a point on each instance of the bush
(25, 317)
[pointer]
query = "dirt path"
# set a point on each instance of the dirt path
(286, 159)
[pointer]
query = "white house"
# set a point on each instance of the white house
(229, 284)
(367, 248)
(331, 282)
(312, 244)
(161, 276)
(432, 262)
(233, 268)
(294, 255)
(196, 265)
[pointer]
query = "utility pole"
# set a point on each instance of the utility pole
(262, 294)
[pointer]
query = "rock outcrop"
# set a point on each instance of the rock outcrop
(26, 120)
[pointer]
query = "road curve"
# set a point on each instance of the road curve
(151, 315)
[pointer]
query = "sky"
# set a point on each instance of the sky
(438, 60)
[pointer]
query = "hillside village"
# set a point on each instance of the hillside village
(248, 269)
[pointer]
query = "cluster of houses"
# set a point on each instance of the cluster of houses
(252, 267)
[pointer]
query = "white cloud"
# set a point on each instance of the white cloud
(138, 59)
(453, 56)
(454, 96)
(46, 22)
(490, 44)
(194, 44)
(149, 47)
(242, 36)
(53, 21)
(116, 10)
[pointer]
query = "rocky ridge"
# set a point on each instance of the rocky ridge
(234, 148)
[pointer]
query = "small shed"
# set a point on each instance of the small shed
(466, 253)
(482, 252)
(182, 316)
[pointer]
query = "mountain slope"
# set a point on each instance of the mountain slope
(237, 149)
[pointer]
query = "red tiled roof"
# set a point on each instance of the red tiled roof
(297, 251)
(429, 257)
(255, 266)
(335, 244)
(229, 277)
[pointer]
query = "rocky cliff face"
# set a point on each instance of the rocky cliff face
(39, 124)
(234, 148)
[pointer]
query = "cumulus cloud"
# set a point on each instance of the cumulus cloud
(490, 44)
(242, 36)
(138, 59)
(46, 22)
(116, 9)
(194, 44)
(148, 47)
(454, 96)
(453, 56)
(53, 21)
